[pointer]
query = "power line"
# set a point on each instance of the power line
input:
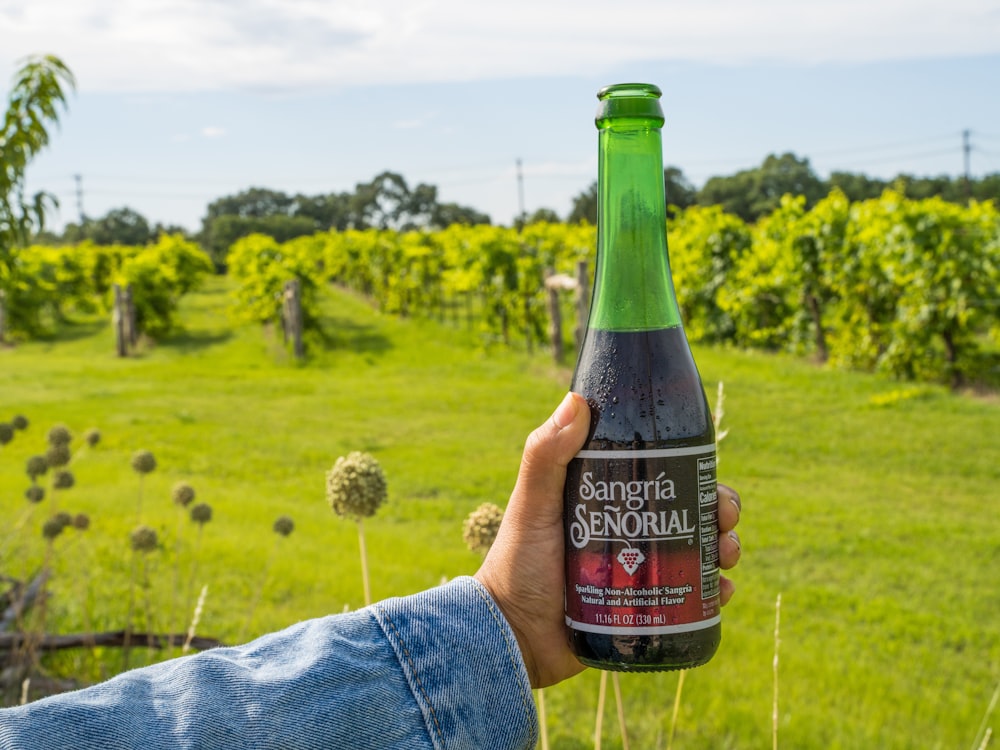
(855, 150)
(917, 155)
(124, 187)
(884, 146)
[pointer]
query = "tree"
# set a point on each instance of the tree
(332, 211)
(256, 210)
(381, 203)
(856, 187)
(119, 226)
(680, 194)
(420, 206)
(919, 188)
(540, 215)
(254, 202)
(584, 206)
(754, 193)
(987, 188)
(386, 202)
(679, 191)
(40, 86)
(447, 214)
(160, 229)
(224, 230)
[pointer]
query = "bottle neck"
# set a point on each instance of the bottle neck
(633, 289)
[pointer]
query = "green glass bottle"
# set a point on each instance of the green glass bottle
(641, 509)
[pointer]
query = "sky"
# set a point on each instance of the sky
(180, 102)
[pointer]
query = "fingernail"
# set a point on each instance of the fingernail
(736, 538)
(566, 412)
(734, 497)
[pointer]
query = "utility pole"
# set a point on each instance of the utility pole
(966, 151)
(520, 195)
(79, 196)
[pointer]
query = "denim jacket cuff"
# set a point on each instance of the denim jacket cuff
(463, 666)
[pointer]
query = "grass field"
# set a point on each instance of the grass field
(870, 506)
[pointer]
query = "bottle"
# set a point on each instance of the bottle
(641, 509)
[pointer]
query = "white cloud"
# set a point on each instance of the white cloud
(412, 123)
(213, 132)
(183, 45)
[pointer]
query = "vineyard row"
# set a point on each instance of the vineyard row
(908, 287)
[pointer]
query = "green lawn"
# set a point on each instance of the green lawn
(870, 507)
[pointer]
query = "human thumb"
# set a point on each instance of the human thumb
(547, 452)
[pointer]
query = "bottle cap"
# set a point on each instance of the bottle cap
(630, 100)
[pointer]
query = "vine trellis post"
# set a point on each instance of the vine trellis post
(291, 316)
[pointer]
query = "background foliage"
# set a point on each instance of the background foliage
(890, 284)
(46, 285)
(907, 287)
(39, 90)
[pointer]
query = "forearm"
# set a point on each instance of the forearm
(438, 669)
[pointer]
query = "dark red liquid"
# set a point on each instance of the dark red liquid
(645, 393)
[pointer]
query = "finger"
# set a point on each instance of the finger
(540, 480)
(730, 507)
(726, 590)
(730, 549)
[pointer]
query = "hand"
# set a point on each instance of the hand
(524, 568)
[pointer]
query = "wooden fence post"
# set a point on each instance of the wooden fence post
(554, 283)
(131, 330)
(291, 316)
(118, 321)
(582, 302)
(555, 315)
(527, 323)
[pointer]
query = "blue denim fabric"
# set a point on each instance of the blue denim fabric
(440, 669)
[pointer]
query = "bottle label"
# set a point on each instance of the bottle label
(642, 541)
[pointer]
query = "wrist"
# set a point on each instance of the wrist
(511, 621)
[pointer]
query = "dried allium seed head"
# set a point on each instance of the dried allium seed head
(143, 539)
(58, 454)
(201, 513)
(182, 494)
(355, 486)
(6, 433)
(81, 522)
(143, 462)
(20, 422)
(60, 435)
(34, 494)
(63, 479)
(64, 518)
(481, 527)
(36, 466)
(92, 436)
(284, 525)
(51, 529)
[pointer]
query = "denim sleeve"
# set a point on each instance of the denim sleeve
(440, 669)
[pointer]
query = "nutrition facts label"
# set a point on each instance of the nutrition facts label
(708, 502)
